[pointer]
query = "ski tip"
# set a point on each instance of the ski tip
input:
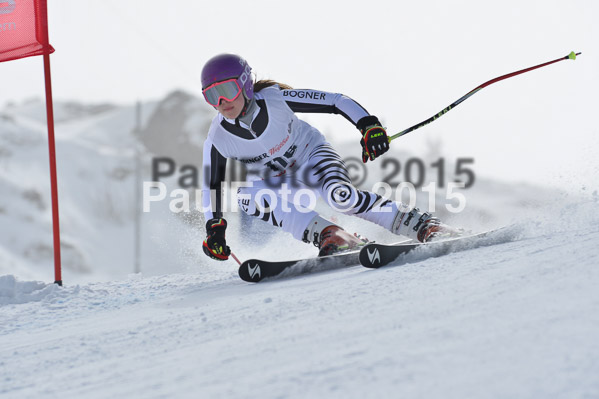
(370, 256)
(250, 273)
(573, 55)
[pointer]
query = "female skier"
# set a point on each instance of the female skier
(257, 125)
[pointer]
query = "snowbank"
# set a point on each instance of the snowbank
(13, 291)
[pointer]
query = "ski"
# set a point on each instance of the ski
(375, 255)
(255, 270)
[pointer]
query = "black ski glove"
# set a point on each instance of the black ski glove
(374, 138)
(215, 245)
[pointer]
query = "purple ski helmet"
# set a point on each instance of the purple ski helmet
(228, 66)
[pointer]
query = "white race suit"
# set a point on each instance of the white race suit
(283, 155)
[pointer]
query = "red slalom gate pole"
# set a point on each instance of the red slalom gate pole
(26, 35)
(53, 174)
(571, 56)
(51, 143)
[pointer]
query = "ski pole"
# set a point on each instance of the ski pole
(571, 56)
(235, 257)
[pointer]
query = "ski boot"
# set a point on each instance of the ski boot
(433, 230)
(334, 239)
(330, 238)
(422, 226)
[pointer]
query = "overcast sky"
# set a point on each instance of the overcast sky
(403, 61)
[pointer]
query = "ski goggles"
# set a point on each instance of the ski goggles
(227, 90)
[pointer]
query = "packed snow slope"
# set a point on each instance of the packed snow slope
(519, 319)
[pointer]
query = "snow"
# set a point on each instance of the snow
(518, 318)
(515, 319)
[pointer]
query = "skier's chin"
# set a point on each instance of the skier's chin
(230, 113)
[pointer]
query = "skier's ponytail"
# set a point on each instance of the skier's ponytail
(264, 83)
